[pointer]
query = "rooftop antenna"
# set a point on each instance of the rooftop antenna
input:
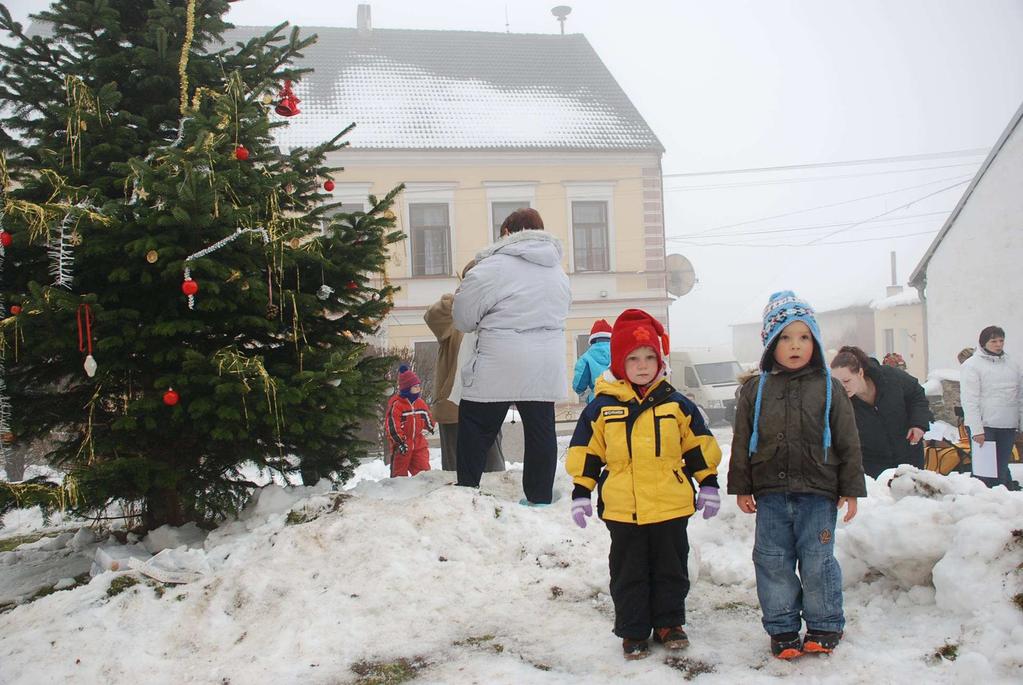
(561, 11)
(506, 18)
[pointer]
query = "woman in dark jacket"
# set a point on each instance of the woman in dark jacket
(891, 410)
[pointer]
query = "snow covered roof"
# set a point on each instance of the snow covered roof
(412, 89)
(919, 275)
(906, 297)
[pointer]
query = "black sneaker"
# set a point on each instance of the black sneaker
(635, 649)
(671, 638)
(820, 642)
(786, 645)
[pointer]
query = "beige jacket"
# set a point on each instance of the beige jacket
(438, 318)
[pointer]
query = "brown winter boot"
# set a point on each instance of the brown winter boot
(635, 649)
(671, 638)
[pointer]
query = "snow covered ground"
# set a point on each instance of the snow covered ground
(457, 586)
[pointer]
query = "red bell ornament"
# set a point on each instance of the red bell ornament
(328, 185)
(6, 238)
(189, 287)
(15, 309)
(287, 106)
(241, 153)
(171, 397)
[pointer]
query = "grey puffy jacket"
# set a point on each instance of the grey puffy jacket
(516, 299)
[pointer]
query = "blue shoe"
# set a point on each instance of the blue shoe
(526, 503)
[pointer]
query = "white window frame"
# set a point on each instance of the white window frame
(507, 191)
(591, 191)
(429, 193)
(348, 192)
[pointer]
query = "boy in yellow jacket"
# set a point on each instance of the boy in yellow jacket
(641, 444)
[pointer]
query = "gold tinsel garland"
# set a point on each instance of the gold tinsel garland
(186, 47)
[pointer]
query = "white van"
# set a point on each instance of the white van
(709, 378)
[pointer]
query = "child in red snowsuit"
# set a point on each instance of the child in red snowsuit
(407, 417)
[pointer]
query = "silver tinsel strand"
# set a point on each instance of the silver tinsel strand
(216, 246)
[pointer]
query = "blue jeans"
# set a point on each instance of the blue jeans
(797, 529)
(1004, 438)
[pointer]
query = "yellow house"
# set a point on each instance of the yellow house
(476, 125)
(899, 327)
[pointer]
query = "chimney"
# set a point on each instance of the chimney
(894, 288)
(363, 20)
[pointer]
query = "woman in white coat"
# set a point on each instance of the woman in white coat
(515, 299)
(992, 395)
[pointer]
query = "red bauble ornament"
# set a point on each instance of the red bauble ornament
(288, 105)
(15, 309)
(171, 397)
(241, 153)
(189, 287)
(352, 285)
(6, 238)
(328, 185)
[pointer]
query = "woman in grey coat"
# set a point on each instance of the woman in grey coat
(516, 300)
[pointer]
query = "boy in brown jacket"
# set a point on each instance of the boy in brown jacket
(796, 460)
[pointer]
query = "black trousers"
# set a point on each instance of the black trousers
(649, 576)
(478, 425)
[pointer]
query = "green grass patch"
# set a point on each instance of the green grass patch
(949, 652)
(481, 642)
(9, 544)
(80, 579)
(120, 584)
(388, 672)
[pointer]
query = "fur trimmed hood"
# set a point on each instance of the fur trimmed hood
(539, 247)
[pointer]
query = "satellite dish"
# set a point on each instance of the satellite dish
(681, 276)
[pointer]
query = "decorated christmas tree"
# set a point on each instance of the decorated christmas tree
(181, 297)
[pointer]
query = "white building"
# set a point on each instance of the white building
(972, 274)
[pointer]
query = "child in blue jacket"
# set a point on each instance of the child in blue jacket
(593, 361)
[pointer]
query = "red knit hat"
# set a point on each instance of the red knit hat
(407, 378)
(601, 331)
(635, 328)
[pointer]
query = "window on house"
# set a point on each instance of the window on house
(424, 361)
(500, 210)
(430, 229)
(582, 343)
(691, 380)
(889, 340)
(345, 208)
(590, 236)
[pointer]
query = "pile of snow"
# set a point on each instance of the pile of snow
(932, 386)
(316, 586)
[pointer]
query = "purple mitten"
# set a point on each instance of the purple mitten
(581, 508)
(709, 500)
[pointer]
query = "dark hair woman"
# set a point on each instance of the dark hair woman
(891, 410)
(992, 391)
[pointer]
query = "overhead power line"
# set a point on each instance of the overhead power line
(816, 242)
(887, 212)
(826, 206)
(815, 179)
(852, 162)
(814, 227)
(839, 242)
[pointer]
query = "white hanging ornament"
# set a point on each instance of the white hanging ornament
(324, 292)
(90, 366)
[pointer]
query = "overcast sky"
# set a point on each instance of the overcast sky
(730, 84)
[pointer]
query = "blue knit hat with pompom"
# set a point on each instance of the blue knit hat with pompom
(783, 308)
